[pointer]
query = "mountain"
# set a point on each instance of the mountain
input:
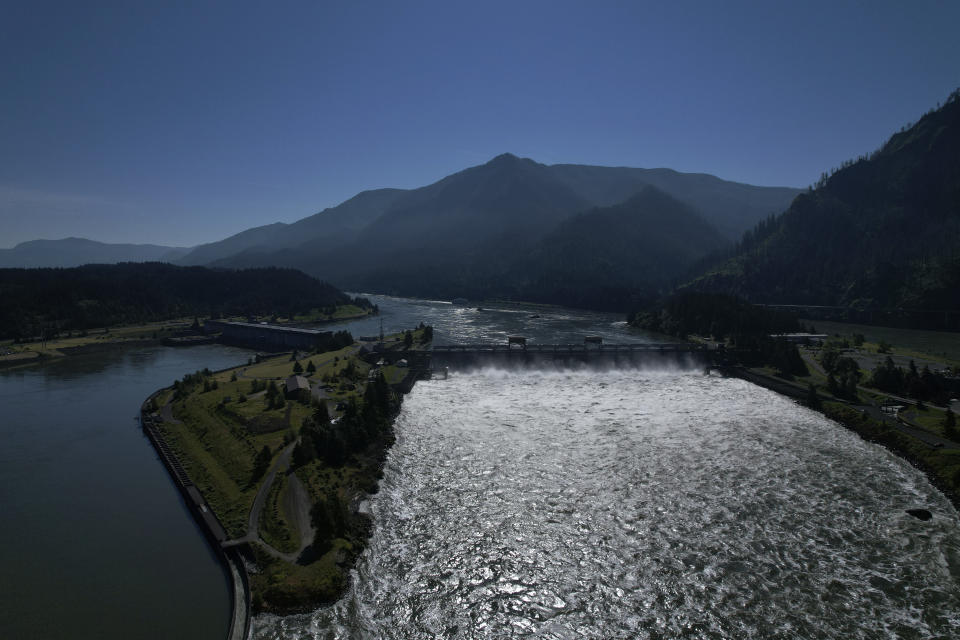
(465, 234)
(731, 207)
(638, 247)
(336, 224)
(882, 232)
(646, 240)
(71, 252)
(47, 301)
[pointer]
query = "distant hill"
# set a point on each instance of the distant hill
(337, 224)
(98, 295)
(72, 252)
(487, 231)
(731, 207)
(634, 248)
(883, 232)
(604, 258)
(465, 234)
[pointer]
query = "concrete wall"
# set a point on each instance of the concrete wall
(264, 336)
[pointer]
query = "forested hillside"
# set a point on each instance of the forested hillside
(882, 232)
(513, 228)
(45, 301)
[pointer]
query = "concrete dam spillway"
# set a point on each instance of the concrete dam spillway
(588, 355)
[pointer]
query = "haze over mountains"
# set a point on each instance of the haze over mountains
(487, 232)
(507, 188)
(511, 228)
(882, 232)
(71, 252)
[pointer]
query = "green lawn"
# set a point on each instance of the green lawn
(218, 449)
(939, 345)
(342, 312)
(153, 330)
(929, 418)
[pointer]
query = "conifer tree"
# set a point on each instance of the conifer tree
(950, 425)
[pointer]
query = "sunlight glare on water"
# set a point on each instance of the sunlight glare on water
(640, 504)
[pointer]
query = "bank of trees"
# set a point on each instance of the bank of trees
(364, 425)
(45, 302)
(361, 424)
(922, 384)
(843, 373)
(745, 327)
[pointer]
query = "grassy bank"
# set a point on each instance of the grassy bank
(79, 341)
(74, 342)
(339, 314)
(229, 428)
(914, 343)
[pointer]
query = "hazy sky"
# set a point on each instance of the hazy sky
(185, 122)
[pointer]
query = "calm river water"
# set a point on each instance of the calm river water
(95, 540)
(554, 504)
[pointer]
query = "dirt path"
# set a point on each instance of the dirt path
(166, 412)
(296, 505)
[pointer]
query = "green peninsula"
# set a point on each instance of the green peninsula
(283, 450)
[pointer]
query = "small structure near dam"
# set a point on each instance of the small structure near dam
(592, 353)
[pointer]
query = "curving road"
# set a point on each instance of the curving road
(296, 504)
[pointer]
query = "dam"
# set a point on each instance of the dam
(592, 353)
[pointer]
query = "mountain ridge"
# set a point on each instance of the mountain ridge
(737, 204)
(73, 251)
(882, 232)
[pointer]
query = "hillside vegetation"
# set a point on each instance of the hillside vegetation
(882, 232)
(513, 228)
(47, 301)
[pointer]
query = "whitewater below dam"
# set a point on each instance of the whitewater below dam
(640, 504)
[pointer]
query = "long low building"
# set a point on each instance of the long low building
(266, 336)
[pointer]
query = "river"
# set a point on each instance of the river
(95, 540)
(636, 504)
(554, 504)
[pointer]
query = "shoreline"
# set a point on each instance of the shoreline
(893, 440)
(244, 601)
(231, 562)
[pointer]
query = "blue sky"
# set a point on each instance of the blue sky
(184, 122)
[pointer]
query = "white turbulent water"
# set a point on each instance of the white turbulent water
(640, 504)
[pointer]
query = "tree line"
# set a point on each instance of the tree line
(746, 328)
(42, 303)
(362, 425)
